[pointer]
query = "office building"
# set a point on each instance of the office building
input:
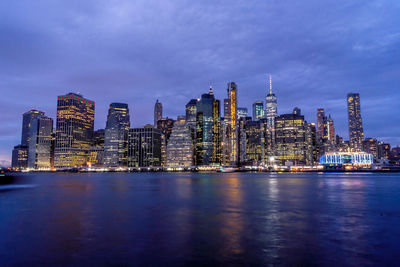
(383, 150)
(191, 110)
(234, 149)
(19, 160)
(370, 145)
(27, 118)
(144, 147)
(258, 110)
(40, 143)
(74, 130)
(356, 132)
(116, 135)
(242, 113)
(98, 137)
(180, 149)
(290, 140)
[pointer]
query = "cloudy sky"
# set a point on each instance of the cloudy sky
(139, 51)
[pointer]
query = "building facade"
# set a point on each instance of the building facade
(27, 118)
(74, 130)
(144, 147)
(40, 143)
(116, 135)
(19, 160)
(258, 110)
(180, 149)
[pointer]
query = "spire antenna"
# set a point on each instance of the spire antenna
(270, 84)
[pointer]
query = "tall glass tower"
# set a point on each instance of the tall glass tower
(356, 132)
(27, 118)
(258, 110)
(39, 152)
(271, 107)
(116, 135)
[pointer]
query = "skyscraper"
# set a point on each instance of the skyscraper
(291, 140)
(40, 143)
(191, 110)
(27, 118)
(322, 129)
(356, 132)
(204, 129)
(74, 130)
(232, 93)
(258, 110)
(180, 146)
(217, 136)
(331, 129)
(271, 106)
(157, 112)
(116, 135)
(19, 157)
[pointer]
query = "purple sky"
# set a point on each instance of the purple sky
(138, 51)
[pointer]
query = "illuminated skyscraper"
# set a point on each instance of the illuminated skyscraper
(242, 113)
(27, 118)
(370, 145)
(74, 130)
(271, 106)
(40, 144)
(356, 132)
(258, 110)
(165, 125)
(217, 136)
(205, 129)
(232, 93)
(116, 135)
(291, 141)
(157, 112)
(180, 146)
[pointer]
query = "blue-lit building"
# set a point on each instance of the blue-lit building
(339, 159)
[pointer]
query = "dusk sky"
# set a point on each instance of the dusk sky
(138, 51)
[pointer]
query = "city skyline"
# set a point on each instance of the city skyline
(316, 74)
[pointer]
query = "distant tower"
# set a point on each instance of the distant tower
(331, 129)
(157, 112)
(27, 118)
(232, 89)
(356, 132)
(271, 107)
(322, 129)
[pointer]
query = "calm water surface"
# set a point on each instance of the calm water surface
(202, 219)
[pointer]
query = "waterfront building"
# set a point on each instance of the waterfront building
(370, 145)
(258, 110)
(383, 150)
(226, 132)
(290, 140)
(116, 135)
(27, 118)
(347, 158)
(40, 143)
(144, 147)
(180, 149)
(19, 158)
(356, 132)
(242, 139)
(312, 155)
(217, 133)
(74, 130)
(158, 112)
(271, 106)
(242, 113)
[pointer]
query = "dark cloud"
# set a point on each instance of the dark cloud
(138, 51)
